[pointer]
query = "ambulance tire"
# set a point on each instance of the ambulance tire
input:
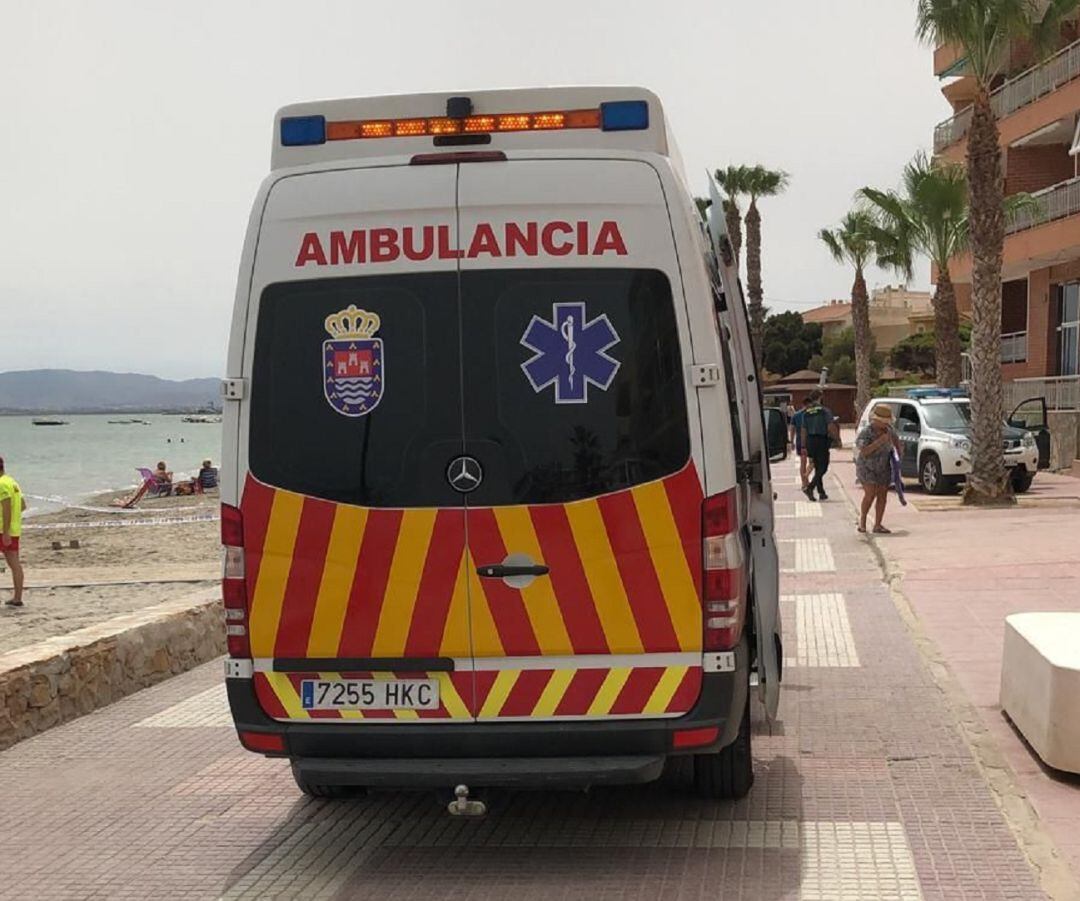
(729, 773)
(314, 790)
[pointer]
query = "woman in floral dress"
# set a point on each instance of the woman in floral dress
(873, 465)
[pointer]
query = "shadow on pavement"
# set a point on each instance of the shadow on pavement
(652, 840)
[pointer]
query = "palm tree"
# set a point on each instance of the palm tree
(733, 181)
(985, 30)
(760, 182)
(929, 216)
(856, 242)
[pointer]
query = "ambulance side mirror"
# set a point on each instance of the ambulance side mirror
(776, 438)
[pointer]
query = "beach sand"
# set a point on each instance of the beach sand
(124, 562)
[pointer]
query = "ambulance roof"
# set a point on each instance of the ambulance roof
(532, 119)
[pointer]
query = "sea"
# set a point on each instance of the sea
(57, 466)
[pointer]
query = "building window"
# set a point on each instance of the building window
(1069, 330)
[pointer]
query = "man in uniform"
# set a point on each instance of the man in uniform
(818, 430)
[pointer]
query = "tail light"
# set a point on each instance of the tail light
(724, 577)
(264, 742)
(233, 585)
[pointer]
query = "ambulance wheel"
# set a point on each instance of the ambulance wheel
(729, 773)
(315, 790)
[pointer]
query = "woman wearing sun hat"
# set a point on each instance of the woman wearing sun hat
(873, 465)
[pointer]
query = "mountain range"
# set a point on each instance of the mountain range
(70, 391)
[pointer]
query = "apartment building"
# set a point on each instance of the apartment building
(895, 313)
(1038, 110)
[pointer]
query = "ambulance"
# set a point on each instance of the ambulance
(496, 497)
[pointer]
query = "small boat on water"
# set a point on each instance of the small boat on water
(201, 419)
(128, 422)
(50, 422)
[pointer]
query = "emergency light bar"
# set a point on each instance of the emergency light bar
(925, 393)
(619, 115)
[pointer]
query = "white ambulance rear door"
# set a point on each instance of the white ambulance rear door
(766, 564)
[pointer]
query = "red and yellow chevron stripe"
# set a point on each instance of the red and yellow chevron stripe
(549, 694)
(334, 580)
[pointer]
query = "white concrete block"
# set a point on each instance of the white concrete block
(1040, 684)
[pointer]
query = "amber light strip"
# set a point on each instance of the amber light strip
(499, 122)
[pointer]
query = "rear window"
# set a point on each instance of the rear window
(396, 454)
(562, 383)
(576, 437)
(947, 415)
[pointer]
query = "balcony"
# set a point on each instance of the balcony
(1014, 347)
(1015, 94)
(1054, 203)
(1061, 392)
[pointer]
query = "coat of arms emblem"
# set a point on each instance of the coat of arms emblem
(354, 372)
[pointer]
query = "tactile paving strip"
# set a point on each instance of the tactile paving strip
(823, 635)
(207, 708)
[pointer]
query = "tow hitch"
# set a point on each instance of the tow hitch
(463, 806)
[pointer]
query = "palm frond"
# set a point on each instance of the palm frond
(983, 29)
(763, 182)
(832, 241)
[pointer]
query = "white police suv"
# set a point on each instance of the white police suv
(934, 426)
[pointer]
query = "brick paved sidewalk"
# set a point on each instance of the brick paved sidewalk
(963, 571)
(865, 789)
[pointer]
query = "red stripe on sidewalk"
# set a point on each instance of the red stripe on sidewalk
(568, 579)
(305, 576)
(638, 574)
(637, 690)
(255, 506)
(506, 604)
(436, 588)
(580, 692)
(369, 583)
(685, 497)
(526, 692)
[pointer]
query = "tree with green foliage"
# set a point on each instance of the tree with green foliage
(918, 353)
(838, 356)
(758, 182)
(857, 242)
(733, 181)
(985, 31)
(788, 343)
(929, 216)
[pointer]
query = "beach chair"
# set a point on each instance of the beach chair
(154, 487)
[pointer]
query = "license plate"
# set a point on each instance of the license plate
(369, 694)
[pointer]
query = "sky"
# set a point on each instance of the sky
(134, 135)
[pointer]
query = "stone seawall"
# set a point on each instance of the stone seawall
(58, 679)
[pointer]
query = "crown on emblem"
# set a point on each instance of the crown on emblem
(352, 323)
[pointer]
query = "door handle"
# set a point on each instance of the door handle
(505, 570)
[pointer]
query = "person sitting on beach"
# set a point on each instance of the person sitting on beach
(160, 480)
(162, 475)
(207, 478)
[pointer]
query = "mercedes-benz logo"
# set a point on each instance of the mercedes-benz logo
(464, 474)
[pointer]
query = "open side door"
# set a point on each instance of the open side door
(735, 328)
(1031, 414)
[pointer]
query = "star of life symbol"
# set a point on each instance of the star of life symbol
(570, 352)
(353, 371)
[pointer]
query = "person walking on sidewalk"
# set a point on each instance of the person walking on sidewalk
(12, 504)
(874, 465)
(797, 440)
(818, 430)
